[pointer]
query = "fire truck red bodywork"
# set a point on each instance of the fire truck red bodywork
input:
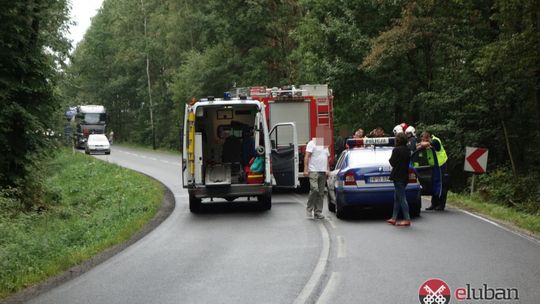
(319, 115)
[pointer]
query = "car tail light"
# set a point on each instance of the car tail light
(412, 177)
(349, 179)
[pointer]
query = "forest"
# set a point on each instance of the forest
(468, 71)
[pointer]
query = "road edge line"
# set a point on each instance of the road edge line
(317, 274)
(503, 227)
(168, 204)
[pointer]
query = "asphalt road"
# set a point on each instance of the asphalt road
(234, 254)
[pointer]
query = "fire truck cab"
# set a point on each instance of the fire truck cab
(223, 139)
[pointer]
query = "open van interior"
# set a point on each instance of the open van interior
(228, 137)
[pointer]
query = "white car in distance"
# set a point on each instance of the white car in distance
(97, 143)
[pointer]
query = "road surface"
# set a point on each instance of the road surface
(235, 254)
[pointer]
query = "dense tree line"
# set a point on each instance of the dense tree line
(466, 70)
(32, 51)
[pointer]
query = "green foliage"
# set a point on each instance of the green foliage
(521, 192)
(462, 69)
(32, 49)
(88, 206)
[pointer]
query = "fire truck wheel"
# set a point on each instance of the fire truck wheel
(194, 204)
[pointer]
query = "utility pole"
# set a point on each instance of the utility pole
(148, 79)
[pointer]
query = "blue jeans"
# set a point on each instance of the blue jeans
(400, 200)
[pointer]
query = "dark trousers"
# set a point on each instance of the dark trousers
(440, 202)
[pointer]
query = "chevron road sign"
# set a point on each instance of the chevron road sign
(476, 159)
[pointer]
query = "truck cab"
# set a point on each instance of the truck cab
(222, 139)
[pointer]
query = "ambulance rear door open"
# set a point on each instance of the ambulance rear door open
(187, 176)
(284, 155)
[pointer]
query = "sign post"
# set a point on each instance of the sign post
(475, 162)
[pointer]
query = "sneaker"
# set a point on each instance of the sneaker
(391, 221)
(319, 216)
(430, 208)
(309, 214)
(439, 208)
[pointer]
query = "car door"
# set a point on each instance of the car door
(284, 155)
(331, 179)
(424, 171)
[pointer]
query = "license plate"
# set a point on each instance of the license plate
(379, 179)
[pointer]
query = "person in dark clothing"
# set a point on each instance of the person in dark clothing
(399, 161)
(437, 159)
(248, 147)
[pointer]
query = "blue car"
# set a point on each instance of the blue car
(361, 179)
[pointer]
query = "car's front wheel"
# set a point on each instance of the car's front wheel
(331, 205)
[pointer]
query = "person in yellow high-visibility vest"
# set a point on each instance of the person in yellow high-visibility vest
(437, 159)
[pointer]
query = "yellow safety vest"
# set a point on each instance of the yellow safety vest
(441, 154)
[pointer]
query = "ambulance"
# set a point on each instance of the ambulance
(223, 138)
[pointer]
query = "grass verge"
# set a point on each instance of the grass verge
(90, 206)
(530, 223)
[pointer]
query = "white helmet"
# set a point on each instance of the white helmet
(410, 131)
(397, 129)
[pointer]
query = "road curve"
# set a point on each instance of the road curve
(232, 254)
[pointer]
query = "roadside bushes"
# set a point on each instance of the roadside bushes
(521, 192)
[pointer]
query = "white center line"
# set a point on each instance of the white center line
(333, 282)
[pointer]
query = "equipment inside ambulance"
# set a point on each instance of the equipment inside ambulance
(227, 152)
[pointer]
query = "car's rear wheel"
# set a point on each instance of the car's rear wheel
(416, 208)
(340, 209)
(194, 204)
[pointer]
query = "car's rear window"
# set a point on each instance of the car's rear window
(98, 138)
(369, 157)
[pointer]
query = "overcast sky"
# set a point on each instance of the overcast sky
(81, 12)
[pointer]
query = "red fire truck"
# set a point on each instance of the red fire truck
(309, 106)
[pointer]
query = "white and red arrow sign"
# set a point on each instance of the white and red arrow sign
(476, 159)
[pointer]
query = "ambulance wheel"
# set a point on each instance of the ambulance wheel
(265, 201)
(194, 204)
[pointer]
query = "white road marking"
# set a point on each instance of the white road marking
(342, 250)
(316, 276)
(331, 222)
(501, 226)
(330, 288)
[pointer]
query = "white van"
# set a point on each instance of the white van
(221, 137)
